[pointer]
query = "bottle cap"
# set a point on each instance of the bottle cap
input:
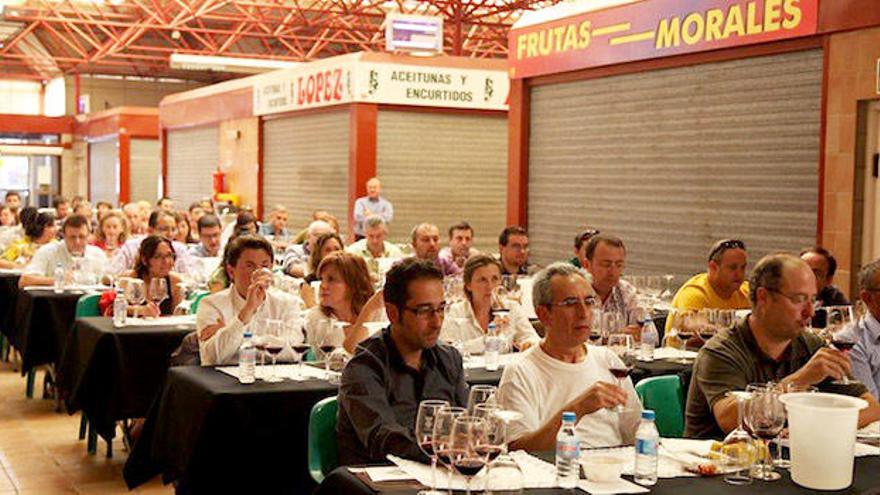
(648, 414)
(248, 335)
(569, 416)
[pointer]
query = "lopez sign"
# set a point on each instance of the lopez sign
(314, 85)
(652, 29)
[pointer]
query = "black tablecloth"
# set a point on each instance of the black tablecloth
(42, 322)
(645, 369)
(865, 482)
(115, 373)
(8, 296)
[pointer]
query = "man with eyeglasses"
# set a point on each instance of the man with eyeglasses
(771, 345)
(396, 369)
(723, 285)
(73, 249)
(563, 373)
(865, 355)
(513, 252)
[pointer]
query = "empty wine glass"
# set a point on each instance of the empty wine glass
(158, 291)
(273, 341)
(468, 432)
(135, 293)
(738, 450)
(765, 416)
(426, 418)
(612, 322)
(480, 394)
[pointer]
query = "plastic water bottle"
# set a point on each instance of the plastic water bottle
(647, 442)
(493, 347)
(568, 453)
(58, 275)
(247, 359)
(120, 309)
(649, 340)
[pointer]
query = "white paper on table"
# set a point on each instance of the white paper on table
(11, 271)
(381, 474)
(536, 473)
(162, 321)
(869, 432)
(619, 485)
(672, 353)
(290, 372)
(69, 288)
(474, 362)
(666, 467)
(865, 450)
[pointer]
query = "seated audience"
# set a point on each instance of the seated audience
(155, 260)
(165, 204)
(62, 209)
(102, 208)
(39, 230)
(8, 218)
(513, 252)
(824, 265)
(296, 256)
(772, 344)
(275, 228)
(223, 316)
(111, 234)
(426, 246)
(865, 355)
(13, 201)
(245, 224)
(161, 223)
(374, 246)
(209, 230)
(563, 373)
(184, 235)
(136, 226)
(467, 321)
(195, 213)
(346, 295)
(393, 371)
(461, 236)
(326, 244)
(72, 251)
(723, 286)
(580, 247)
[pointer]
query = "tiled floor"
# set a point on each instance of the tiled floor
(40, 452)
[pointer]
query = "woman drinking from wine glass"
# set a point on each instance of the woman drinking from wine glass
(347, 296)
(154, 263)
(468, 320)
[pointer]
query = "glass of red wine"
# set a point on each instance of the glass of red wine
(468, 433)
(296, 338)
(273, 341)
(426, 418)
(844, 334)
(442, 433)
(765, 417)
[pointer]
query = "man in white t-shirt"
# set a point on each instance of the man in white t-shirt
(563, 373)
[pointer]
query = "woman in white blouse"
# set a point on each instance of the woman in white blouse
(346, 295)
(468, 320)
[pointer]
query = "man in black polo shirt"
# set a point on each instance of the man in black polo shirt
(393, 371)
(770, 345)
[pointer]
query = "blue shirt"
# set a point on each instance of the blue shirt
(865, 355)
(379, 206)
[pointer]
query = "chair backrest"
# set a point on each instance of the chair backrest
(196, 299)
(87, 305)
(665, 396)
(322, 438)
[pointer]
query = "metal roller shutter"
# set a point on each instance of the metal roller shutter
(193, 155)
(442, 169)
(104, 170)
(305, 165)
(145, 170)
(672, 160)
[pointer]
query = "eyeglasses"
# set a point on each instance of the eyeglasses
(725, 245)
(798, 299)
(425, 312)
(571, 302)
(587, 234)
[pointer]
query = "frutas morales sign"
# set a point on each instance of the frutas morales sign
(652, 29)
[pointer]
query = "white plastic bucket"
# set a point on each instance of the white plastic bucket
(822, 434)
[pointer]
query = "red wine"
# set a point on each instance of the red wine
(327, 349)
(766, 434)
(469, 466)
(843, 345)
(445, 455)
(301, 348)
(685, 335)
(595, 337)
(427, 447)
(260, 347)
(706, 336)
(272, 349)
(620, 373)
(490, 451)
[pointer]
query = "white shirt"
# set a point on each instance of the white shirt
(461, 325)
(539, 385)
(314, 316)
(126, 255)
(222, 347)
(49, 255)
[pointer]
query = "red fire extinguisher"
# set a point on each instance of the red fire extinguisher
(219, 182)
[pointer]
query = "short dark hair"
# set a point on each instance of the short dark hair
(829, 258)
(76, 221)
(722, 246)
(37, 224)
(239, 244)
(9, 194)
(509, 231)
(244, 219)
(156, 215)
(27, 214)
(147, 250)
(584, 236)
(460, 226)
(768, 273)
(594, 241)
(398, 278)
(194, 205)
(163, 198)
(59, 200)
(104, 203)
(207, 221)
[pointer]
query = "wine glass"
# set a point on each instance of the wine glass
(765, 416)
(512, 288)
(135, 293)
(620, 344)
(258, 329)
(788, 388)
(668, 294)
(480, 394)
(844, 334)
(612, 322)
(297, 342)
(426, 418)
(468, 432)
(158, 291)
(442, 432)
(738, 450)
(273, 341)
(596, 332)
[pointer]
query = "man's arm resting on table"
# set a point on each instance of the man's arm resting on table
(30, 279)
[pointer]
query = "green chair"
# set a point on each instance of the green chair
(86, 306)
(665, 396)
(322, 438)
(196, 298)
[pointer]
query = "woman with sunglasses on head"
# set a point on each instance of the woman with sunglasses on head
(346, 295)
(468, 320)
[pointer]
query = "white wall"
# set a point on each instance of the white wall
(21, 97)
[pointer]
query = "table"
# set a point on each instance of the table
(865, 481)
(115, 373)
(41, 323)
(8, 296)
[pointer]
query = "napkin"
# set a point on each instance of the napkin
(619, 485)
(164, 321)
(475, 362)
(672, 353)
(381, 474)
(292, 372)
(536, 473)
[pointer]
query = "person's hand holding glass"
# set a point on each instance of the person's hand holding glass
(843, 333)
